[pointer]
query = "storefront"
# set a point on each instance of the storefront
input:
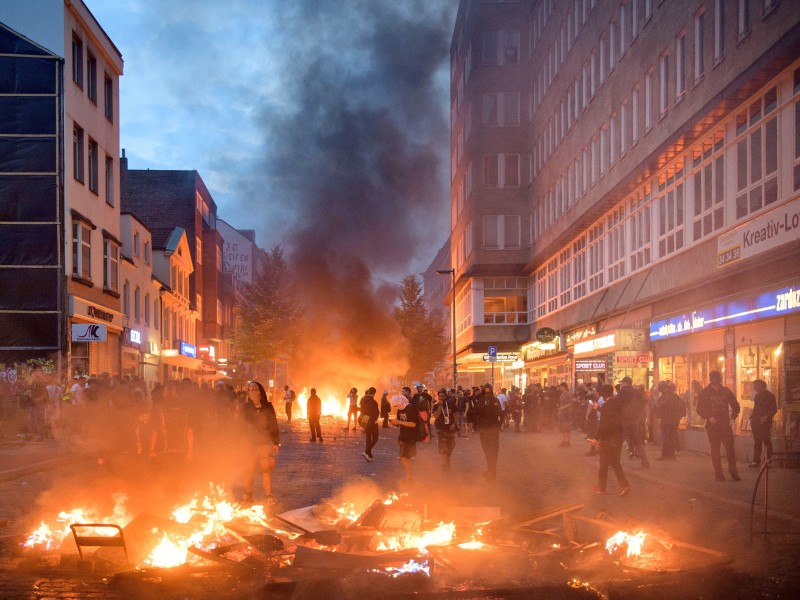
(89, 355)
(131, 352)
(609, 356)
(756, 336)
(180, 363)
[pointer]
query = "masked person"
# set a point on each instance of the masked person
(609, 441)
(445, 421)
(488, 421)
(370, 412)
(407, 421)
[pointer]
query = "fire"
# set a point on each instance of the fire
(331, 405)
(49, 536)
(634, 542)
(473, 544)
(411, 566)
(404, 540)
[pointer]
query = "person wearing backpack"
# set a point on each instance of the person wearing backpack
(444, 419)
(488, 420)
(288, 397)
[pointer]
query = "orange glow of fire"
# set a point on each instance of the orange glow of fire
(406, 540)
(473, 544)
(331, 405)
(48, 536)
(634, 542)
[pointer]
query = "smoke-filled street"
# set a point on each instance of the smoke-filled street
(673, 500)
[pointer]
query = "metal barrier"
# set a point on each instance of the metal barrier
(778, 460)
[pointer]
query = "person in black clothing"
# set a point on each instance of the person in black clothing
(264, 437)
(488, 421)
(407, 420)
(370, 413)
(634, 406)
(669, 409)
(718, 406)
(386, 409)
(609, 438)
(444, 420)
(764, 409)
(424, 401)
(314, 412)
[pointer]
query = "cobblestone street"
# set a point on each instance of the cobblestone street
(678, 497)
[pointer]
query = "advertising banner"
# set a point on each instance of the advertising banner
(83, 332)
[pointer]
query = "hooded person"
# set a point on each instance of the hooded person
(407, 421)
(488, 420)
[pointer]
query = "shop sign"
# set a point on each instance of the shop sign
(504, 357)
(168, 352)
(208, 350)
(778, 227)
(545, 335)
(632, 359)
(770, 304)
(188, 349)
(81, 332)
(590, 366)
(132, 337)
(577, 335)
(81, 308)
(604, 342)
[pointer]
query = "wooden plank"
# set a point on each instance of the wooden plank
(218, 559)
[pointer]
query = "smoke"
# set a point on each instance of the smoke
(357, 155)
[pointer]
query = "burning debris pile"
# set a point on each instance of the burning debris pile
(471, 548)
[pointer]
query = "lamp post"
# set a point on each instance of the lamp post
(452, 273)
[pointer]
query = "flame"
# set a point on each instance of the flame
(473, 544)
(49, 536)
(331, 405)
(634, 542)
(411, 566)
(404, 540)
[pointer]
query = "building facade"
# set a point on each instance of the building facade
(625, 176)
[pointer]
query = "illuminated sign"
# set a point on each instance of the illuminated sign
(599, 343)
(88, 333)
(188, 350)
(580, 334)
(632, 359)
(135, 336)
(771, 304)
(583, 365)
(501, 358)
(169, 352)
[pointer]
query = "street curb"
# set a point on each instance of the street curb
(44, 465)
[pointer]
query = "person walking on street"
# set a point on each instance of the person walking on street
(424, 400)
(445, 422)
(386, 409)
(669, 411)
(314, 412)
(718, 406)
(488, 421)
(610, 434)
(288, 398)
(764, 409)
(370, 412)
(634, 407)
(352, 410)
(264, 438)
(407, 421)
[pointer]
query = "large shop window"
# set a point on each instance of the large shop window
(757, 361)
(757, 155)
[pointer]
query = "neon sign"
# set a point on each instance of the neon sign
(771, 304)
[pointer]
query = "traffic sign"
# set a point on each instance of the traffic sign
(492, 351)
(504, 357)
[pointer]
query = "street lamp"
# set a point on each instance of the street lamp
(452, 273)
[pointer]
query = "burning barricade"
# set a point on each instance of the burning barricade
(388, 538)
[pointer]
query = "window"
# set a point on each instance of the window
(82, 250)
(126, 298)
(137, 304)
(93, 166)
(109, 181)
(501, 109)
(501, 171)
(663, 83)
(77, 153)
(552, 285)
(156, 315)
(615, 224)
(612, 38)
(505, 300)
(699, 45)
(91, 77)
(648, 100)
(670, 215)
(502, 232)
(634, 19)
(77, 60)
(110, 265)
(136, 244)
(680, 65)
(648, 10)
(579, 268)
(634, 115)
(108, 98)
(147, 252)
(612, 139)
(719, 29)
(757, 155)
(623, 21)
(596, 257)
(797, 131)
(639, 229)
(564, 277)
(744, 18)
(147, 310)
(602, 59)
(500, 47)
(708, 186)
(623, 128)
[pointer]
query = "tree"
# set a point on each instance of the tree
(424, 333)
(267, 318)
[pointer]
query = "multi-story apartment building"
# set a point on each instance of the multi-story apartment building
(166, 198)
(87, 121)
(625, 175)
